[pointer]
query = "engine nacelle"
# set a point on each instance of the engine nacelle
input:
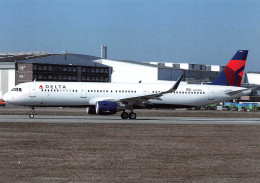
(106, 107)
(91, 110)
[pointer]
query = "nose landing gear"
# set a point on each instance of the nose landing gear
(32, 113)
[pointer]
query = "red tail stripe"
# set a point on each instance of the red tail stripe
(236, 64)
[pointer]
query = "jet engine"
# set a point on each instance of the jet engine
(106, 107)
(91, 110)
(103, 108)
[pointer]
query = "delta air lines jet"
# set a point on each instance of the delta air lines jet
(109, 98)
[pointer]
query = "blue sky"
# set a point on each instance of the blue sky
(196, 31)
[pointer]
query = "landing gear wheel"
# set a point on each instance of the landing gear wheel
(32, 113)
(124, 115)
(132, 115)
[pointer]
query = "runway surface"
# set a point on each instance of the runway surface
(81, 148)
(118, 120)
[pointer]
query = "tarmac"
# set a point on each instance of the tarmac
(66, 145)
(117, 120)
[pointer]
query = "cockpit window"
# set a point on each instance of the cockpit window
(16, 89)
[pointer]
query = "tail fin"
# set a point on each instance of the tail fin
(233, 72)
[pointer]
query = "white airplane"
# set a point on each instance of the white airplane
(109, 98)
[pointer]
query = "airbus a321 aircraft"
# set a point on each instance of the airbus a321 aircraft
(109, 98)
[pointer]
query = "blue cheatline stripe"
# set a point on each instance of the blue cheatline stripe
(236, 75)
(220, 80)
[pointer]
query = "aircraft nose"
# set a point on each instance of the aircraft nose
(7, 97)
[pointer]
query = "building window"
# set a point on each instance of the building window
(88, 70)
(21, 67)
(54, 68)
(34, 76)
(21, 76)
(35, 67)
(60, 69)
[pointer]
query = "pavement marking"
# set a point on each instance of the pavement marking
(117, 120)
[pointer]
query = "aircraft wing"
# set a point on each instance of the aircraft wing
(138, 99)
(155, 96)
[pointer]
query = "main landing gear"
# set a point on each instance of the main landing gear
(131, 115)
(32, 113)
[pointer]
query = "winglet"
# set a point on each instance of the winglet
(175, 86)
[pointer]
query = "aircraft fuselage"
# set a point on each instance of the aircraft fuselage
(85, 94)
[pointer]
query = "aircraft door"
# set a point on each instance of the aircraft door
(211, 94)
(32, 90)
(146, 91)
(83, 91)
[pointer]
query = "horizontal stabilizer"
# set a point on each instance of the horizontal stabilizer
(238, 91)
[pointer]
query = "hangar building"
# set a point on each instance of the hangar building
(17, 68)
(133, 72)
(7, 76)
(252, 79)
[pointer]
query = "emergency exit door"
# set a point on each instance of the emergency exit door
(32, 90)
(83, 91)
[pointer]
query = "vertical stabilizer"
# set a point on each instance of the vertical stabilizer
(233, 72)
